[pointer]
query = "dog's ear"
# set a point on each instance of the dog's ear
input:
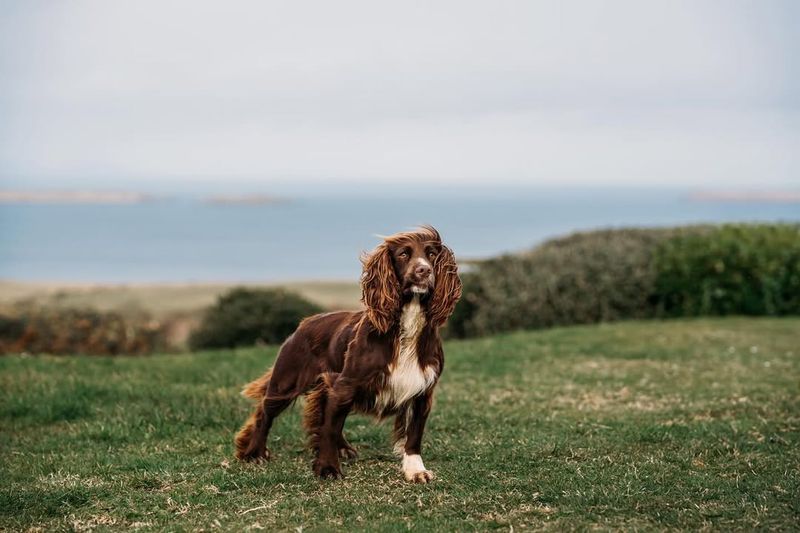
(447, 287)
(380, 289)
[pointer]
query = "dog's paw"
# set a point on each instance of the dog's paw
(348, 453)
(327, 470)
(421, 476)
(255, 457)
(414, 469)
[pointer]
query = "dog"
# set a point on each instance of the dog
(384, 360)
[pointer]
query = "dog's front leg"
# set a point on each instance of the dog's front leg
(338, 403)
(413, 468)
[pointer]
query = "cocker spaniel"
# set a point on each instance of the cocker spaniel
(384, 360)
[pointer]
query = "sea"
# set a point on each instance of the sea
(320, 235)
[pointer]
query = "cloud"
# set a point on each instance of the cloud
(523, 92)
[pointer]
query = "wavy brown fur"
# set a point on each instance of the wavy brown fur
(258, 389)
(245, 435)
(447, 290)
(380, 289)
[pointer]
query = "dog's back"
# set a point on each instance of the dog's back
(318, 345)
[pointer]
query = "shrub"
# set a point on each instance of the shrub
(736, 269)
(244, 317)
(31, 329)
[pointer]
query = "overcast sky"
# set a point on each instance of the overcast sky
(636, 92)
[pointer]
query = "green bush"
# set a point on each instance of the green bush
(31, 329)
(634, 273)
(244, 317)
(736, 269)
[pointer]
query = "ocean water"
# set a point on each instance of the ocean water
(319, 237)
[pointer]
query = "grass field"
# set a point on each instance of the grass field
(650, 425)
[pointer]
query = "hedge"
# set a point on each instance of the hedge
(634, 273)
(739, 269)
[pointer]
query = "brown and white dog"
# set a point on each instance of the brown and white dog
(384, 360)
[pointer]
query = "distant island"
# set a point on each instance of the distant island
(777, 197)
(73, 197)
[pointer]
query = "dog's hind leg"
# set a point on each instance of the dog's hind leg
(293, 374)
(251, 441)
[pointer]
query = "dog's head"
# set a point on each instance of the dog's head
(408, 264)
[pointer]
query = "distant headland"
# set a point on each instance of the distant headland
(117, 197)
(73, 197)
(775, 197)
(244, 199)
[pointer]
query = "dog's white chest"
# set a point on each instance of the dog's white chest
(406, 378)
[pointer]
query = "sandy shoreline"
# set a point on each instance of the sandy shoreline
(163, 299)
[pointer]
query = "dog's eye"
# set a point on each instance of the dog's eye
(432, 254)
(403, 255)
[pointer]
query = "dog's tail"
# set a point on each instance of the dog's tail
(258, 389)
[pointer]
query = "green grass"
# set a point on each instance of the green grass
(649, 425)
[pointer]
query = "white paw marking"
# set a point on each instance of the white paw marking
(414, 469)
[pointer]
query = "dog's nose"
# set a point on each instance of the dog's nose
(422, 271)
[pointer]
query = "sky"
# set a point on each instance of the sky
(118, 93)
